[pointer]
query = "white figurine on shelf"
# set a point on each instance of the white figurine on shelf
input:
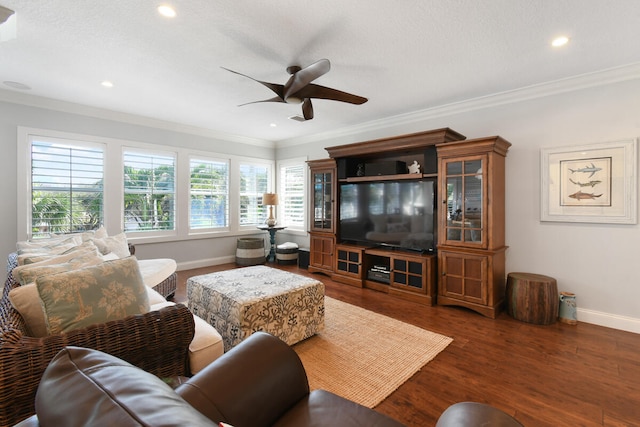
(414, 168)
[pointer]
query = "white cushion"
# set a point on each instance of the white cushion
(206, 345)
(156, 270)
(154, 296)
(288, 245)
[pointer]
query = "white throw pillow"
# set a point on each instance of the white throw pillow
(116, 244)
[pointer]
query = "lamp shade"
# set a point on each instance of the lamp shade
(269, 199)
(5, 14)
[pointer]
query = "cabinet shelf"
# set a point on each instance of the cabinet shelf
(404, 176)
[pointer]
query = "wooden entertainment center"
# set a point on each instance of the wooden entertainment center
(467, 268)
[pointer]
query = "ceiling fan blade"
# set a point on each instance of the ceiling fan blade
(274, 99)
(322, 92)
(276, 88)
(304, 76)
(307, 109)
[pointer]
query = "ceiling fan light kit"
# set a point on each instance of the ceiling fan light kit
(300, 89)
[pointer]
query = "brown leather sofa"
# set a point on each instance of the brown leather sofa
(260, 382)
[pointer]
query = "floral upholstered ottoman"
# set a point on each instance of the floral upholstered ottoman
(242, 301)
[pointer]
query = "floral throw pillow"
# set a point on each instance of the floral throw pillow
(76, 299)
(30, 272)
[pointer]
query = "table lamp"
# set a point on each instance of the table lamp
(271, 200)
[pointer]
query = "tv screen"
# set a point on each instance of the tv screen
(393, 213)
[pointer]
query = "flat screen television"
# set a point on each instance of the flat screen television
(397, 214)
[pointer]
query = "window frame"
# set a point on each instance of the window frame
(73, 144)
(148, 151)
(114, 186)
(270, 186)
(207, 158)
(280, 165)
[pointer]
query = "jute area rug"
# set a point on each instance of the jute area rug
(364, 356)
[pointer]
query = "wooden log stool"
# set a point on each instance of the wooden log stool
(532, 298)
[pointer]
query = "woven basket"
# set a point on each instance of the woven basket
(250, 251)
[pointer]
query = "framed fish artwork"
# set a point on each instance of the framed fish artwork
(590, 183)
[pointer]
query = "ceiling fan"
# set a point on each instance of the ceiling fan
(299, 89)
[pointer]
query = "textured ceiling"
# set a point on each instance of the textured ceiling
(405, 56)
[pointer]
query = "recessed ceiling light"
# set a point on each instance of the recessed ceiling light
(560, 41)
(167, 11)
(16, 85)
(273, 125)
(107, 83)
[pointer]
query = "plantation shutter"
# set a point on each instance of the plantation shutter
(67, 190)
(254, 181)
(209, 194)
(292, 190)
(149, 191)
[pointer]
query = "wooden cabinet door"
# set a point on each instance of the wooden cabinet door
(321, 253)
(323, 193)
(348, 261)
(463, 209)
(464, 277)
(409, 274)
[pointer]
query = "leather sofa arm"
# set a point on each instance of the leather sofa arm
(254, 384)
(156, 342)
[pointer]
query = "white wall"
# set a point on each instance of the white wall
(600, 263)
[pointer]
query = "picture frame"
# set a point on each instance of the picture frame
(593, 183)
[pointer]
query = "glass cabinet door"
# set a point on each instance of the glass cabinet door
(323, 201)
(464, 204)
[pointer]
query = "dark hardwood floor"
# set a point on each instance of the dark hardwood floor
(556, 375)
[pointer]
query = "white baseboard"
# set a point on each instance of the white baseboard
(624, 323)
(188, 265)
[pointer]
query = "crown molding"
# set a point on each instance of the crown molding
(579, 82)
(570, 84)
(101, 113)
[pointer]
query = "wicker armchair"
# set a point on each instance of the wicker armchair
(157, 342)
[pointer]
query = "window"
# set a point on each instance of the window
(72, 183)
(254, 182)
(67, 193)
(292, 191)
(149, 191)
(209, 194)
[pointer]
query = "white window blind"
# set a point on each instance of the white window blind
(254, 182)
(67, 190)
(149, 191)
(292, 195)
(209, 194)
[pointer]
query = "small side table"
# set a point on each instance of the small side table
(272, 239)
(532, 298)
